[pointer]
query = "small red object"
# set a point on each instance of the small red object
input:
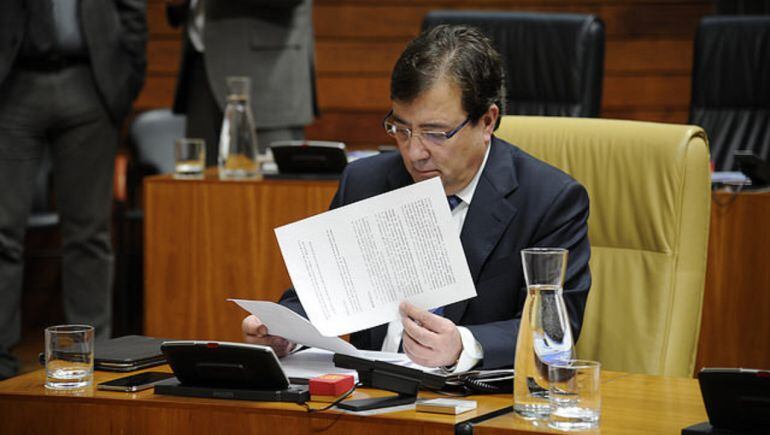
(330, 385)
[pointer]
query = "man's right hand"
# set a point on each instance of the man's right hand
(255, 332)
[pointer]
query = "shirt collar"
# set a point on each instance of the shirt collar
(466, 193)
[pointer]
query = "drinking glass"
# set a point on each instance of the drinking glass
(574, 395)
(190, 155)
(69, 357)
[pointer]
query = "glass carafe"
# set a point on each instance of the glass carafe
(238, 139)
(545, 336)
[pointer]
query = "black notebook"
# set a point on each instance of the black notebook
(128, 353)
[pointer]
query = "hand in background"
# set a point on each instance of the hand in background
(255, 332)
(428, 339)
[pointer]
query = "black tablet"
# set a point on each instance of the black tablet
(128, 353)
(225, 365)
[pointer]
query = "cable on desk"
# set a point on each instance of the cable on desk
(329, 406)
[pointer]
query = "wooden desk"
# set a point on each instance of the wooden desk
(27, 407)
(631, 404)
(735, 327)
(208, 240)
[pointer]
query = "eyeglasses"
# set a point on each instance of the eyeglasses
(403, 134)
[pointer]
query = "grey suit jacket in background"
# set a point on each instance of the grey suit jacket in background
(519, 202)
(115, 32)
(270, 41)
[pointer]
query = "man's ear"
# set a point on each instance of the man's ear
(489, 120)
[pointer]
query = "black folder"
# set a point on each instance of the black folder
(128, 353)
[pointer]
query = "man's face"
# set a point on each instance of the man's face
(456, 160)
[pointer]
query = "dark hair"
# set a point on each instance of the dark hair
(462, 54)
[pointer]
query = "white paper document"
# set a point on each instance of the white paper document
(310, 363)
(285, 323)
(352, 266)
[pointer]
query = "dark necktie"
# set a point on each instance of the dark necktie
(454, 201)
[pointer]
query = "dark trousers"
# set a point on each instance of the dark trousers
(60, 110)
(204, 116)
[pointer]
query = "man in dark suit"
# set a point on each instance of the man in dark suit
(447, 99)
(269, 41)
(69, 70)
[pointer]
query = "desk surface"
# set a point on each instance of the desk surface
(631, 404)
(26, 406)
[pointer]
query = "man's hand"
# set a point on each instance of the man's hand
(429, 340)
(255, 332)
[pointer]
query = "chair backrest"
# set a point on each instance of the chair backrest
(649, 188)
(153, 133)
(731, 86)
(554, 62)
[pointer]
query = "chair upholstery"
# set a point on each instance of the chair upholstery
(649, 188)
(554, 62)
(731, 86)
(153, 133)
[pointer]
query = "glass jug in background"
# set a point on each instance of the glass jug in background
(238, 139)
(545, 336)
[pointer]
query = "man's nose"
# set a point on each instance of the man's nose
(417, 149)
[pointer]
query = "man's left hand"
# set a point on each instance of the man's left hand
(428, 339)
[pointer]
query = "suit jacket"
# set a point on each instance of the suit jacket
(519, 202)
(270, 41)
(115, 33)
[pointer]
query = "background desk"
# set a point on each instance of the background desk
(735, 328)
(209, 240)
(630, 404)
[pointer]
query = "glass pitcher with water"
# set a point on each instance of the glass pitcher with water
(545, 336)
(238, 140)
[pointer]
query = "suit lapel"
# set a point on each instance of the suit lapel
(488, 216)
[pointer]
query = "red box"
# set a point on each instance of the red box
(330, 385)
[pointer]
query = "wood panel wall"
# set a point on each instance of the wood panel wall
(647, 63)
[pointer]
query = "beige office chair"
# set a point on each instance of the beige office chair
(649, 188)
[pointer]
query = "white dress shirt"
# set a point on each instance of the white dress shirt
(196, 24)
(472, 352)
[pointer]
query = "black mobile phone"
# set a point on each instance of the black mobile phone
(137, 382)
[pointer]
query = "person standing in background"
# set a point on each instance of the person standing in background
(69, 70)
(270, 41)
